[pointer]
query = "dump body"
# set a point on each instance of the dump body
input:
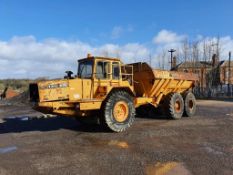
(153, 85)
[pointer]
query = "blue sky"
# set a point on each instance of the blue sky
(46, 37)
(93, 21)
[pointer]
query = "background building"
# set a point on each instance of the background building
(215, 77)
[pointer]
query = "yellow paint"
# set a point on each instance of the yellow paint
(152, 83)
(51, 90)
(86, 89)
(75, 89)
(160, 168)
(65, 112)
(120, 144)
(142, 100)
(92, 105)
(120, 111)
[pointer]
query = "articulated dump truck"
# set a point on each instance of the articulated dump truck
(111, 91)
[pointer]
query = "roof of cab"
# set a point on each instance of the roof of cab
(101, 58)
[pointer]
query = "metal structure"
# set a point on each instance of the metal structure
(171, 51)
(108, 88)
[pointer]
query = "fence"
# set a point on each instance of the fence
(219, 91)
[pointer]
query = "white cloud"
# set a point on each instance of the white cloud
(26, 57)
(226, 44)
(164, 41)
(166, 36)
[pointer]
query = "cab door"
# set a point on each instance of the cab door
(107, 76)
(102, 78)
(86, 76)
(115, 79)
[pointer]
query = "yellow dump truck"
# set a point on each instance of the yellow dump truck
(107, 88)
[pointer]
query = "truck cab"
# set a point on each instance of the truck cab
(95, 79)
(99, 75)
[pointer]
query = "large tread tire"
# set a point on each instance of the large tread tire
(108, 118)
(190, 104)
(174, 106)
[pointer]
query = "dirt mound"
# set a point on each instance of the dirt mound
(8, 93)
(22, 98)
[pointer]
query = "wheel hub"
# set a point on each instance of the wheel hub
(177, 106)
(120, 111)
(191, 104)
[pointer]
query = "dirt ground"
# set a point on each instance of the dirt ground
(33, 144)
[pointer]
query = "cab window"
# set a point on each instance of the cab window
(102, 70)
(85, 69)
(115, 71)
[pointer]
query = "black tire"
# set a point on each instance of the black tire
(108, 118)
(174, 106)
(190, 104)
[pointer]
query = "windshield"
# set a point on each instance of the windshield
(85, 69)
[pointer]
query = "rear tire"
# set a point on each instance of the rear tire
(174, 106)
(190, 104)
(118, 111)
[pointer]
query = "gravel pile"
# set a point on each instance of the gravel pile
(22, 98)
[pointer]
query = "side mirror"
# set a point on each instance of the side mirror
(69, 74)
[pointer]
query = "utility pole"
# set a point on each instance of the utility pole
(229, 75)
(171, 51)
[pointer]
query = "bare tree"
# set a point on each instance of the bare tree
(162, 59)
(195, 54)
(185, 50)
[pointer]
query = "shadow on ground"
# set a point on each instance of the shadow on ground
(27, 123)
(150, 112)
(24, 124)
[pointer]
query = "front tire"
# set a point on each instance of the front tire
(118, 111)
